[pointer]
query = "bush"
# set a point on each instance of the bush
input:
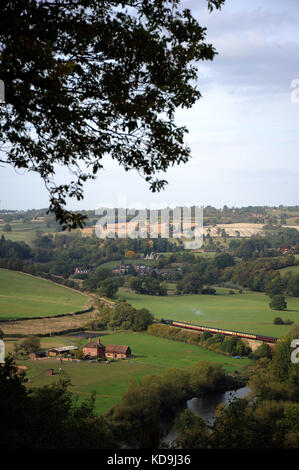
(206, 335)
(262, 351)
(278, 321)
(294, 332)
(208, 291)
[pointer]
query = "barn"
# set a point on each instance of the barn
(113, 351)
(37, 355)
(63, 350)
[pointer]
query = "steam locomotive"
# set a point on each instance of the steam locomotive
(239, 334)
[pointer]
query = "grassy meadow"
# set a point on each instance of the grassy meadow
(248, 312)
(114, 264)
(290, 269)
(22, 296)
(152, 356)
(25, 231)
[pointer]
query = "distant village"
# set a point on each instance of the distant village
(141, 269)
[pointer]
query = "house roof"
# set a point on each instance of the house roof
(64, 349)
(112, 348)
(39, 353)
(93, 345)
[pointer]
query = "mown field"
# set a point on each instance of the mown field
(152, 356)
(22, 296)
(248, 312)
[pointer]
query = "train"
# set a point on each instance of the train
(239, 334)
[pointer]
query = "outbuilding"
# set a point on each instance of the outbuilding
(37, 355)
(63, 350)
(113, 351)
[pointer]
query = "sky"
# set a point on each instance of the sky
(243, 132)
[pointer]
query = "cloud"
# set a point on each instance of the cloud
(257, 43)
(243, 132)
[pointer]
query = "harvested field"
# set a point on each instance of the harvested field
(236, 230)
(233, 230)
(87, 231)
(46, 325)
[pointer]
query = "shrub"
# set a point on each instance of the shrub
(263, 350)
(208, 291)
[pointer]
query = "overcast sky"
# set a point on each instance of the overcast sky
(244, 132)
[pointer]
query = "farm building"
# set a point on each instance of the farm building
(121, 269)
(37, 355)
(80, 270)
(166, 273)
(94, 349)
(142, 269)
(64, 349)
(117, 352)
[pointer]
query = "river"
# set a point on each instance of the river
(206, 405)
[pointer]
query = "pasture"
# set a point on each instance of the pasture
(25, 231)
(248, 312)
(23, 296)
(114, 264)
(152, 356)
(290, 269)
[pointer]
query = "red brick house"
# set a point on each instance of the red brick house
(94, 349)
(117, 352)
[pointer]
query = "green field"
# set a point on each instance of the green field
(24, 231)
(114, 264)
(248, 312)
(22, 296)
(152, 356)
(290, 269)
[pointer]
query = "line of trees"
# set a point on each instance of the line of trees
(231, 346)
(123, 315)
